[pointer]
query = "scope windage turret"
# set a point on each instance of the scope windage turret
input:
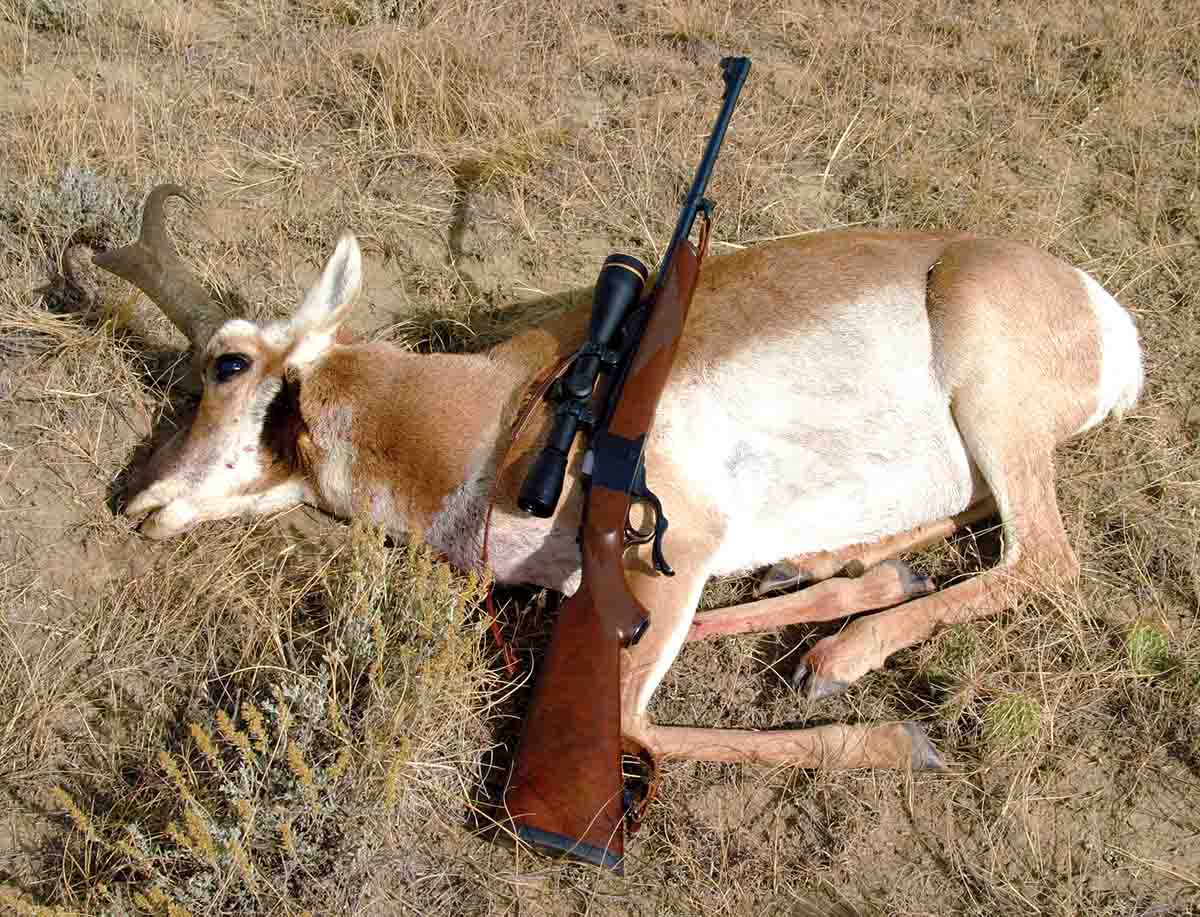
(620, 285)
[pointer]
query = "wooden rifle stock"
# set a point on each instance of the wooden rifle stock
(566, 793)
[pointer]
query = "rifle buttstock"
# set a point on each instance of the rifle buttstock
(566, 793)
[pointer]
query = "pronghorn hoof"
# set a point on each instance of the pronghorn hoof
(819, 688)
(924, 756)
(798, 676)
(815, 687)
(912, 582)
(780, 576)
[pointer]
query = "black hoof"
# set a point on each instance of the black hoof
(912, 582)
(815, 687)
(781, 576)
(798, 676)
(924, 756)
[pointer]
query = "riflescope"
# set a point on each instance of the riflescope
(619, 287)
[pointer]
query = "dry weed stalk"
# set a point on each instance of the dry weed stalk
(313, 788)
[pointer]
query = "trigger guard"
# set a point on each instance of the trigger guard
(635, 536)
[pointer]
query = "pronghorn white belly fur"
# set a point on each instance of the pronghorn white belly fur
(840, 456)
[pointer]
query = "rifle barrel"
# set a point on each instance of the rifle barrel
(735, 70)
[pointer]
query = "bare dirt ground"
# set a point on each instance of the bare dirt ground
(289, 716)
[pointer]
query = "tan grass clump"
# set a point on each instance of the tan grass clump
(446, 93)
(281, 799)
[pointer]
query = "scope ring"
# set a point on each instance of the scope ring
(608, 357)
(577, 409)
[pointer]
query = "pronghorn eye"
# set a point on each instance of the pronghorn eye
(228, 365)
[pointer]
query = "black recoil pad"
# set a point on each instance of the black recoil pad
(619, 286)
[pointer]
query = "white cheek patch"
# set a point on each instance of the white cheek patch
(234, 463)
(218, 467)
(214, 476)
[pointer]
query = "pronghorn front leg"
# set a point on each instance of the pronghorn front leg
(884, 585)
(877, 580)
(812, 568)
(672, 604)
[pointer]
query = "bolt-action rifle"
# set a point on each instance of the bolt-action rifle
(565, 793)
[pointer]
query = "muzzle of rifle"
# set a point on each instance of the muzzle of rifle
(619, 286)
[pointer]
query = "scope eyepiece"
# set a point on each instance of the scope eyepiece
(543, 485)
(619, 286)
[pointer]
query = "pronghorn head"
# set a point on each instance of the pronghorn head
(241, 454)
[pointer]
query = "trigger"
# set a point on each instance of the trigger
(644, 494)
(660, 562)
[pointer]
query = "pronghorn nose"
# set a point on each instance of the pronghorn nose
(142, 503)
(156, 496)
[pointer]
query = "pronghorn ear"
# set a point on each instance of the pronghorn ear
(326, 305)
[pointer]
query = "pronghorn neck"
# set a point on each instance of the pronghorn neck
(509, 379)
(489, 392)
(479, 523)
(418, 445)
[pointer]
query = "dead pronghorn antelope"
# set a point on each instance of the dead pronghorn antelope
(837, 399)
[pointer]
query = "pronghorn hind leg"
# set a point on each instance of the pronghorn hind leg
(814, 568)
(834, 747)
(1036, 550)
(643, 665)
(1011, 412)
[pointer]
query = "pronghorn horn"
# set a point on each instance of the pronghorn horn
(152, 264)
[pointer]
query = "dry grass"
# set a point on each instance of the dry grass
(489, 156)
